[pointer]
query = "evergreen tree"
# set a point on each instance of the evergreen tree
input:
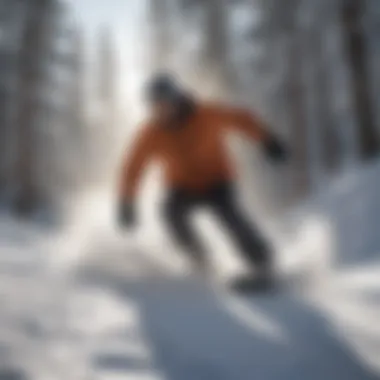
(33, 45)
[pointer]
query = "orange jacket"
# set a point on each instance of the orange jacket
(194, 157)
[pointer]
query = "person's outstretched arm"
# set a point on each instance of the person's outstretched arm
(246, 122)
(134, 163)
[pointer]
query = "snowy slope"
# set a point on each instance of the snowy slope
(334, 323)
(22, 276)
(88, 302)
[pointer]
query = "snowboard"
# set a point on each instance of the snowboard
(249, 284)
(280, 282)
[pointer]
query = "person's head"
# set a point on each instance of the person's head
(166, 99)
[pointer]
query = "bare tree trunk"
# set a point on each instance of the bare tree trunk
(28, 103)
(326, 145)
(216, 47)
(295, 91)
(11, 18)
(161, 37)
(107, 100)
(330, 141)
(106, 73)
(78, 81)
(356, 45)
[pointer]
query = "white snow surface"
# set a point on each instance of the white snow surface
(90, 303)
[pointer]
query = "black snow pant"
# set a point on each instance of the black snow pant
(222, 202)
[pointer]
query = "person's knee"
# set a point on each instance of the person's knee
(178, 224)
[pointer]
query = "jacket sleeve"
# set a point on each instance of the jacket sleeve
(244, 121)
(249, 124)
(134, 163)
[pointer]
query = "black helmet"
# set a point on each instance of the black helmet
(163, 87)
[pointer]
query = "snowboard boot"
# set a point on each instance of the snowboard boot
(261, 279)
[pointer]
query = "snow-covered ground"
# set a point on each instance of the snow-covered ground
(87, 303)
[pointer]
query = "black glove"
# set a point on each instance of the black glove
(126, 215)
(275, 150)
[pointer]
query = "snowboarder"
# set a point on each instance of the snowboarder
(187, 137)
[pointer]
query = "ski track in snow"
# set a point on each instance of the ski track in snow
(99, 308)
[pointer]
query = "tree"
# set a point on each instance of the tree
(75, 121)
(77, 87)
(356, 44)
(33, 45)
(288, 25)
(328, 141)
(216, 46)
(106, 73)
(162, 40)
(106, 101)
